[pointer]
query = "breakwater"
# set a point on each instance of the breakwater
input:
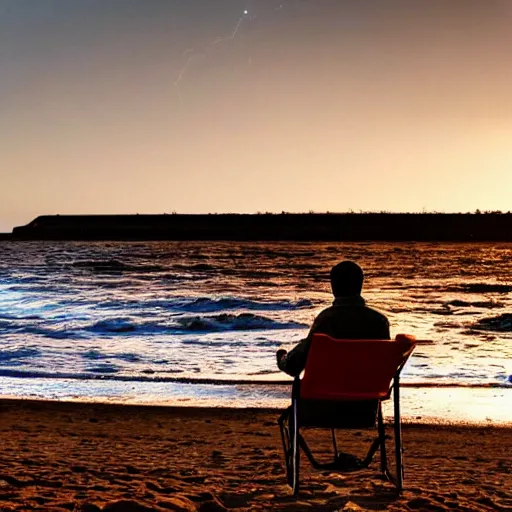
(273, 227)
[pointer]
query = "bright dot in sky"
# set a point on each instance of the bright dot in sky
(246, 12)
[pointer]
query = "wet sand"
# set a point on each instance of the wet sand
(90, 457)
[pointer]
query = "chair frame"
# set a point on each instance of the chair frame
(293, 441)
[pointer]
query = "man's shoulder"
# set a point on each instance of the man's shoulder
(327, 312)
(376, 313)
(363, 311)
(352, 320)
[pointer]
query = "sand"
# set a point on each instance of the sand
(90, 457)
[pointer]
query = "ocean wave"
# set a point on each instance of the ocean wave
(29, 279)
(12, 355)
(208, 305)
(229, 322)
(477, 304)
(196, 323)
(16, 318)
(49, 332)
(127, 326)
(462, 288)
(195, 267)
(44, 289)
(485, 288)
(501, 323)
(116, 266)
(103, 369)
(114, 325)
(205, 304)
(33, 325)
(96, 355)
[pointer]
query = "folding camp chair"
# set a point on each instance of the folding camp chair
(344, 385)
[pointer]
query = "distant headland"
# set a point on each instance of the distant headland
(461, 227)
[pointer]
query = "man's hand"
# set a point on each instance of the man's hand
(280, 354)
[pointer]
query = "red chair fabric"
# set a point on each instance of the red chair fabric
(353, 369)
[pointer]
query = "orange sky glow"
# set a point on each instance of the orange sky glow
(193, 106)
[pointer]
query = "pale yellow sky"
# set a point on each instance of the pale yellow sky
(137, 106)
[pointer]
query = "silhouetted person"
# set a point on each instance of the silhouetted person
(347, 318)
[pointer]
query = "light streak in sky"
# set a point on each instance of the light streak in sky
(235, 32)
(192, 54)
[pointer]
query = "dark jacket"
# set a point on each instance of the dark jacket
(347, 318)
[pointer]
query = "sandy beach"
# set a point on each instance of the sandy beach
(90, 457)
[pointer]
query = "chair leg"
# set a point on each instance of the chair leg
(382, 440)
(398, 437)
(295, 448)
(284, 426)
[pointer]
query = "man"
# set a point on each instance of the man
(347, 318)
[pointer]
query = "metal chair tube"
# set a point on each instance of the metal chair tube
(398, 433)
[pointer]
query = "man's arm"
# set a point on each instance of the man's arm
(294, 362)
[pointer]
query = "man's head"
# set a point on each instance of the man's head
(346, 279)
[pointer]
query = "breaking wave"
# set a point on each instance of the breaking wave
(125, 326)
(207, 305)
(229, 322)
(212, 323)
(14, 355)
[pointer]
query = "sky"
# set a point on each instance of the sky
(197, 106)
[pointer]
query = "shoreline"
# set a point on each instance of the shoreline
(102, 457)
(190, 411)
(20, 374)
(221, 410)
(428, 405)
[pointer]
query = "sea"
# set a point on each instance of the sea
(198, 323)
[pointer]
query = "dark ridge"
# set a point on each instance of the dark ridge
(460, 227)
(5, 236)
